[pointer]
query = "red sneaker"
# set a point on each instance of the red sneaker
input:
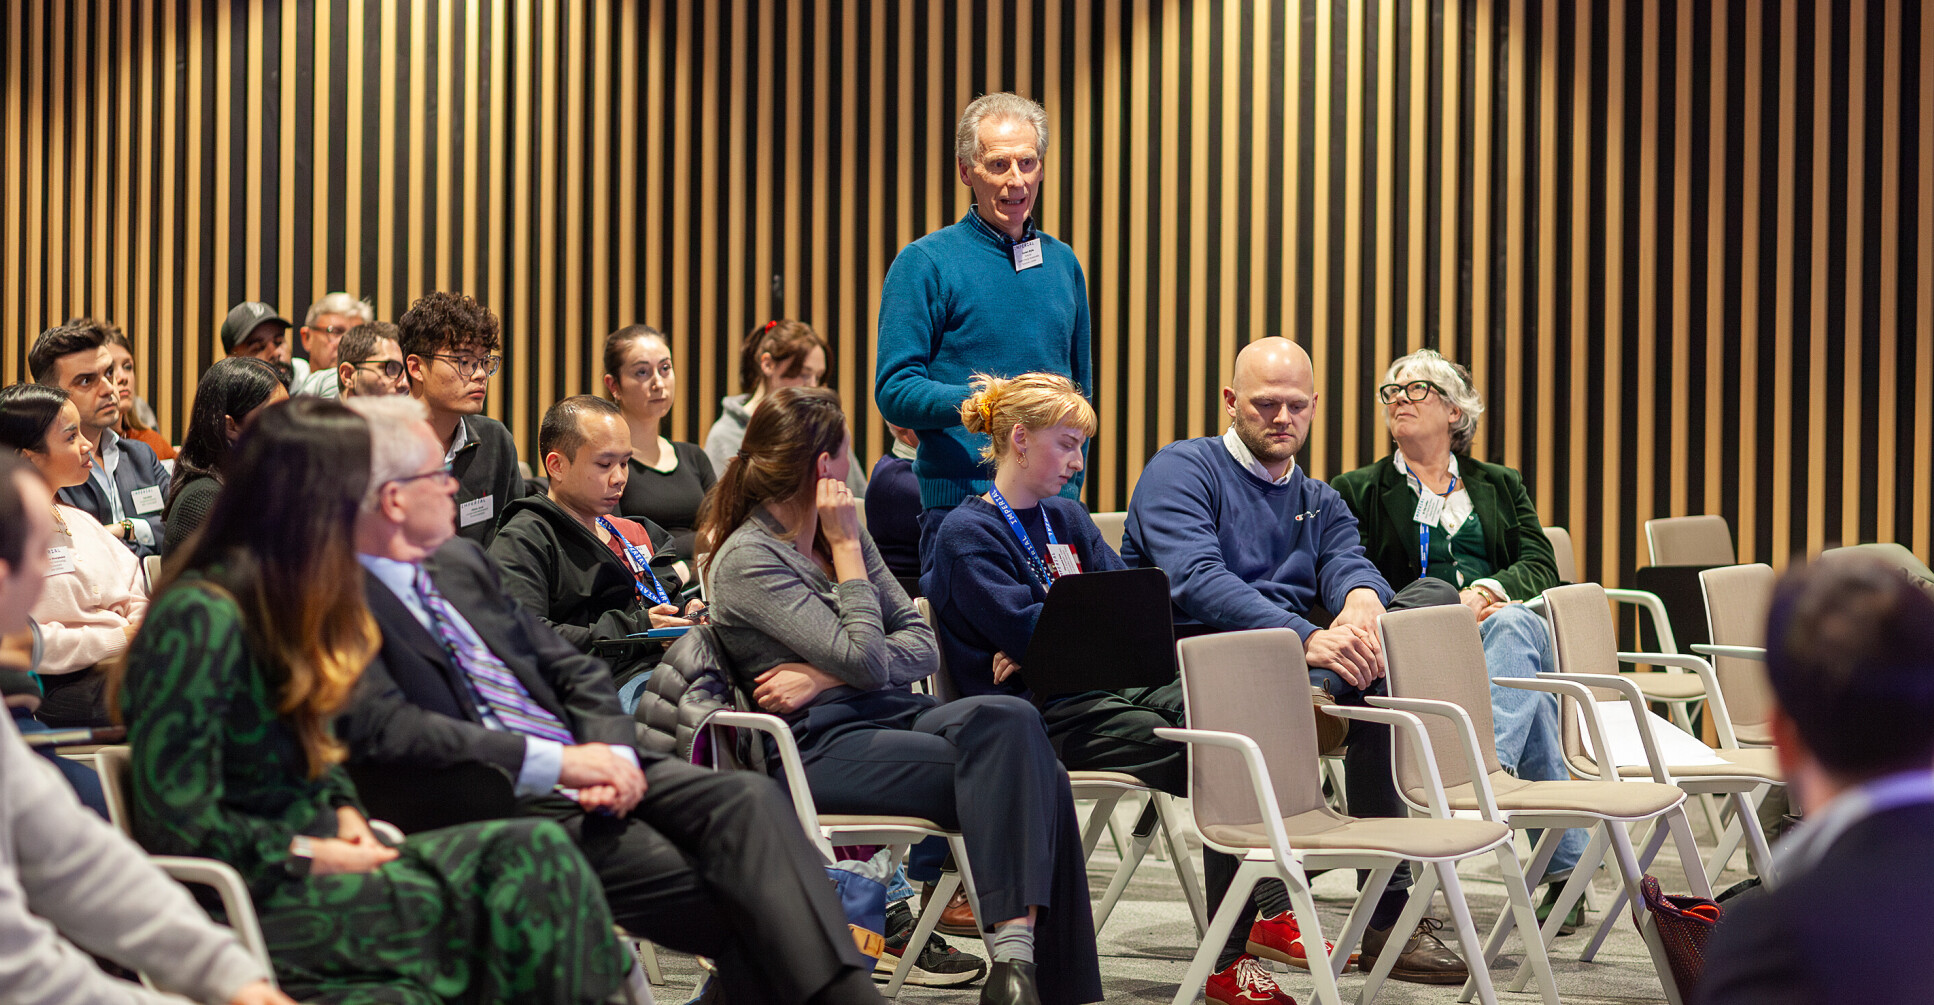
(1246, 982)
(1280, 939)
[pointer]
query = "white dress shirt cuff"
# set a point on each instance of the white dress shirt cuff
(543, 762)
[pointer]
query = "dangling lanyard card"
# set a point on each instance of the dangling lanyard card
(1042, 571)
(641, 568)
(1430, 509)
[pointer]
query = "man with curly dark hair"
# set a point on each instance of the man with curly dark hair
(449, 344)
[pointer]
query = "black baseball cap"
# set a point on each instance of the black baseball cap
(244, 318)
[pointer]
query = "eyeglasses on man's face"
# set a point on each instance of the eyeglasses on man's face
(467, 366)
(438, 476)
(391, 368)
(1416, 390)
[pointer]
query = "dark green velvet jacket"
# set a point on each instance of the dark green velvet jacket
(1514, 540)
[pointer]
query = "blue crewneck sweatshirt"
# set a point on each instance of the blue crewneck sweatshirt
(1240, 552)
(984, 599)
(953, 306)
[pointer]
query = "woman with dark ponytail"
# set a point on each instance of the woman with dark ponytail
(824, 637)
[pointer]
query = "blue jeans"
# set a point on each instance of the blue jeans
(86, 784)
(1526, 723)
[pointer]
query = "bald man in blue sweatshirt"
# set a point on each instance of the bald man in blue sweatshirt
(1249, 540)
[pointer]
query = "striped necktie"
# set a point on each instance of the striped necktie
(489, 677)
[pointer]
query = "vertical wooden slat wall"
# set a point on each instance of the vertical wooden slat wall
(1687, 246)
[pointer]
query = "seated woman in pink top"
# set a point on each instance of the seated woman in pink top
(94, 595)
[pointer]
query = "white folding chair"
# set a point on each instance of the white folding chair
(830, 829)
(1255, 792)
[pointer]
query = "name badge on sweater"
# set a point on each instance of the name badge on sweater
(60, 560)
(147, 500)
(1430, 507)
(1065, 563)
(475, 511)
(1027, 255)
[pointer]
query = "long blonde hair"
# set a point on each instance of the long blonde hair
(1032, 401)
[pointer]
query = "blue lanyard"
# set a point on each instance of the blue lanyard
(1042, 570)
(1423, 529)
(641, 566)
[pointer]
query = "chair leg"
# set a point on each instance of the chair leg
(943, 891)
(1225, 919)
(1413, 912)
(1631, 872)
(1573, 890)
(1130, 861)
(1689, 861)
(638, 981)
(1762, 857)
(1653, 843)
(1535, 957)
(1359, 917)
(1175, 835)
(1321, 966)
(1100, 818)
(648, 956)
(1474, 961)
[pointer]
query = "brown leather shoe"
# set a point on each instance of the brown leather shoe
(1424, 960)
(958, 919)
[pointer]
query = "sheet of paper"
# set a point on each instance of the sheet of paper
(1621, 732)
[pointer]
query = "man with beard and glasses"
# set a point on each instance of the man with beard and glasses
(1249, 540)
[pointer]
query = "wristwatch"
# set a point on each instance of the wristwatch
(127, 530)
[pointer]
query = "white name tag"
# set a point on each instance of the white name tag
(475, 511)
(1027, 255)
(1062, 556)
(147, 500)
(60, 560)
(1430, 506)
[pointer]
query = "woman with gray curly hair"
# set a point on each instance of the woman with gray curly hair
(1431, 509)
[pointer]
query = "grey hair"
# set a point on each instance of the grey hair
(340, 303)
(1001, 106)
(395, 451)
(1455, 382)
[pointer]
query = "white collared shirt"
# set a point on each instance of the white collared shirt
(458, 440)
(107, 461)
(1240, 451)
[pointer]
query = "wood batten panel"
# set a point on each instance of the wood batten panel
(1691, 268)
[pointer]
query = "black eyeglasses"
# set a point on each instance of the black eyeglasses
(392, 368)
(441, 475)
(1416, 390)
(467, 366)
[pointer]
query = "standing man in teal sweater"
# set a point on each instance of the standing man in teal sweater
(989, 294)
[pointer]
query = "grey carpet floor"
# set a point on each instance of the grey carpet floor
(1148, 942)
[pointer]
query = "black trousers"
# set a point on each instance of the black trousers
(982, 765)
(72, 700)
(714, 863)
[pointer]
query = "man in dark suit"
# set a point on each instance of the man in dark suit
(712, 863)
(1850, 655)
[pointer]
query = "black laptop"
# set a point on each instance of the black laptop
(1103, 631)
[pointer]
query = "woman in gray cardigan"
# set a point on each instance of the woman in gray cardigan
(820, 632)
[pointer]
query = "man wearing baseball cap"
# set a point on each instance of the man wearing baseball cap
(253, 328)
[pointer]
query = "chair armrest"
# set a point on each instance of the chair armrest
(1467, 739)
(1722, 719)
(1258, 769)
(795, 771)
(1634, 697)
(227, 884)
(1651, 604)
(1587, 708)
(1438, 802)
(1755, 653)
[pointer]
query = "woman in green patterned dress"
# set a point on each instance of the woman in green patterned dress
(256, 639)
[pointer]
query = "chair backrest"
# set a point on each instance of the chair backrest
(1737, 600)
(944, 687)
(1437, 653)
(1255, 684)
(1113, 527)
(1690, 540)
(1563, 553)
(1584, 639)
(116, 767)
(1896, 555)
